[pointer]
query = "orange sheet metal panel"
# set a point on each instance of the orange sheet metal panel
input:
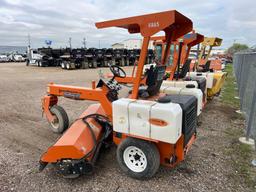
(77, 141)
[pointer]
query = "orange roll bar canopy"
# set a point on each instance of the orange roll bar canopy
(173, 23)
(151, 24)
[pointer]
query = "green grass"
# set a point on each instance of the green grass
(241, 154)
(241, 157)
(229, 90)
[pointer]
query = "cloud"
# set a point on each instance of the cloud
(60, 19)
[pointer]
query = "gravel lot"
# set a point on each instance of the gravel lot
(25, 135)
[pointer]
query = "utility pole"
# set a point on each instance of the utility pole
(99, 44)
(70, 42)
(29, 42)
(84, 42)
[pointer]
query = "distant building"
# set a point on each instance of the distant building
(131, 44)
(118, 46)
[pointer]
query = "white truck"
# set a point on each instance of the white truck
(15, 57)
(18, 58)
(4, 58)
(33, 57)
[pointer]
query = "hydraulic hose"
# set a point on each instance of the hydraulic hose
(97, 117)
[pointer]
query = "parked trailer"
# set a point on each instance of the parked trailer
(82, 58)
(120, 57)
(150, 56)
(133, 56)
(50, 57)
(90, 58)
(99, 56)
(74, 59)
(109, 57)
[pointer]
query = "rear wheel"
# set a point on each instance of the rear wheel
(61, 121)
(138, 158)
(68, 66)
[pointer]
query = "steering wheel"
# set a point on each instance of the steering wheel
(117, 71)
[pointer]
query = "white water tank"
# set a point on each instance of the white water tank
(207, 75)
(179, 83)
(148, 119)
(186, 91)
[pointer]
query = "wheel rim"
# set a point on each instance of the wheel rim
(135, 159)
(62, 65)
(55, 123)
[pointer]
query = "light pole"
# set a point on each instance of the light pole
(84, 42)
(70, 42)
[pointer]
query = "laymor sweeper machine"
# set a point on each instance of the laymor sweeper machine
(150, 128)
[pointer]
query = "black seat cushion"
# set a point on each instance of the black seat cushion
(184, 70)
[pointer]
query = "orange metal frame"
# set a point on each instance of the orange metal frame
(79, 93)
(174, 24)
(187, 41)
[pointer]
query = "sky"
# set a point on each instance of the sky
(57, 20)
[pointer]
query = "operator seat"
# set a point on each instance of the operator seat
(155, 76)
(206, 67)
(184, 70)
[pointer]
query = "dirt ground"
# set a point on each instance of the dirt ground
(25, 135)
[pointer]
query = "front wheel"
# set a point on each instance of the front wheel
(61, 121)
(138, 158)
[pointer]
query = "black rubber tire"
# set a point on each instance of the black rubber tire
(62, 117)
(152, 155)
(63, 65)
(68, 66)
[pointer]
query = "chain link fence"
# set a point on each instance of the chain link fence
(245, 73)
